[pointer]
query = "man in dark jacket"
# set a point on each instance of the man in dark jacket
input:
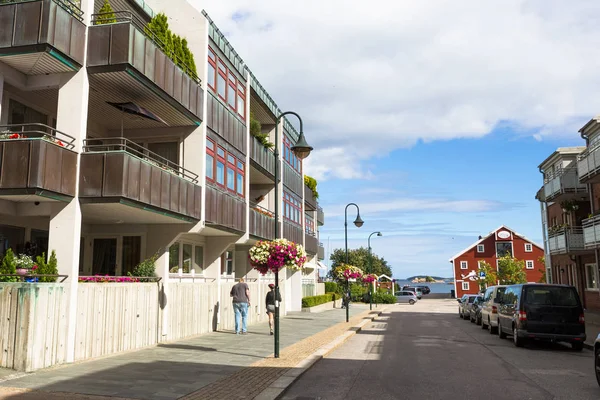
(270, 303)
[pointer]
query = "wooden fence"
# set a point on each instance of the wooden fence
(192, 309)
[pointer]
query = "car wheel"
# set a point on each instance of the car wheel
(519, 342)
(411, 302)
(471, 319)
(597, 364)
(501, 333)
(478, 321)
(492, 329)
(578, 346)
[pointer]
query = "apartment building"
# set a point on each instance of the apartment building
(113, 151)
(569, 202)
(498, 243)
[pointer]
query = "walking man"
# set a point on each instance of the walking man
(241, 300)
(270, 303)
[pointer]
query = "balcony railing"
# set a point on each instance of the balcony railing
(36, 158)
(262, 222)
(588, 164)
(591, 232)
(566, 240)
(311, 243)
(292, 232)
(320, 216)
(321, 252)
(225, 210)
(309, 199)
(563, 182)
(119, 168)
(262, 156)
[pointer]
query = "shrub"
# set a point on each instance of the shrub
(312, 301)
(47, 268)
(357, 291)
(332, 287)
(312, 185)
(106, 14)
(146, 268)
(384, 298)
(8, 267)
(256, 131)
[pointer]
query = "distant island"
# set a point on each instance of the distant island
(428, 279)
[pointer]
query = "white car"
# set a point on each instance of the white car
(405, 296)
(489, 307)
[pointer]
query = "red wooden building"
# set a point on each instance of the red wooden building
(497, 243)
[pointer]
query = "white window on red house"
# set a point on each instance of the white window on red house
(529, 264)
(464, 265)
(528, 247)
(465, 286)
(480, 248)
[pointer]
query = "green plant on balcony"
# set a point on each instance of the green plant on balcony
(47, 268)
(175, 47)
(256, 131)
(569, 205)
(312, 185)
(8, 266)
(106, 15)
(557, 228)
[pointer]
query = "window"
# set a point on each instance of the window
(230, 171)
(212, 69)
(292, 208)
(131, 253)
(464, 265)
(528, 247)
(241, 100)
(240, 178)
(186, 257)
(168, 151)
(480, 248)
(227, 267)
(227, 87)
(210, 160)
(529, 264)
(465, 286)
(288, 155)
(591, 275)
(220, 166)
(21, 114)
(309, 224)
(479, 264)
(504, 249)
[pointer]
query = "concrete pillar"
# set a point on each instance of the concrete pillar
(3, 117)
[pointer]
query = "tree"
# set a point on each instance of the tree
(511, 271)
(8, 267)
(106, 15)
(47, 268)
(429, 279)
(359, 258)
(543, 278)
(491, 278)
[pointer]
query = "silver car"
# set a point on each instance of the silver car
(405, 296)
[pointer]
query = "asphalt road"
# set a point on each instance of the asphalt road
(426, 351)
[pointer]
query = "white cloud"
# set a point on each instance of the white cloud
(368, 79)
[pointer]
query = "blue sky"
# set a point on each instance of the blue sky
(431, 115)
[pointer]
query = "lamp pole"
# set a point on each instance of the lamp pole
(358, 222)
(301, 149)
(371, 269)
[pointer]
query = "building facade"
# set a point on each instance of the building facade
(114, 149)
(500, 242)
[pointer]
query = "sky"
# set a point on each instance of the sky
(432, 116)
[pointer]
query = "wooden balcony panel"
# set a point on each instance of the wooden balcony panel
(225, 209)
(121, 175)
(321, 253)
(28, 166)
(261, 225)
(320, 216)
(293, 232)
(311, 244)
(309, 199)
(262, 157)
(292, 179)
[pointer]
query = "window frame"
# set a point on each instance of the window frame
(195, 269)
(465, 286)
(587, 277)
(240, 171)
(465, 263)
(222, 160)
(230, 166)
(528, 246)
(292, 208)
(213, 63)
(211, 152)
(482, 247)
(527, 263)
(309, 225)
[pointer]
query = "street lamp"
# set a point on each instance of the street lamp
(370, 269)
(301, 150)
(358, 222)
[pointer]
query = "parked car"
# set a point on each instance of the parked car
(416, 291)
(542, 311)
(475, 310)
(463, 303)
(597, 358)
(424, 289)
(489, 308)
(405, 296)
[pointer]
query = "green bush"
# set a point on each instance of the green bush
(312, 185)
(357, 291)
(384, 298)
(8, 267)
(47, 268)
(332, 287)
(146, 268)
(312, 301)
(106, 14)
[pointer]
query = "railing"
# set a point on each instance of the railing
(566, 240)
(34, 277)
(36, 131)
(262, 222)
(262, 210)
(116, 17)
(320, 216)
(121, 144)
(588, 162)
(262, 155)
(73, 7)
(563, 181)
(591, 231)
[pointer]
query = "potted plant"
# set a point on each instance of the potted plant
(275, 255)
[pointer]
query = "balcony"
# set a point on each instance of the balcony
(311, 243)
(292, 179)
(320, 216)
(309, 199)
(121, 180)
(36, 159)
(591, 232)
(566, 241)
(564, 185)
(262, 223)
(588, 165)
(293, 232)
(262, 159)
(42, 37)
(321, 252)
(127, 61)
(225, 211)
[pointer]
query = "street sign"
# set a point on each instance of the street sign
(482, 274)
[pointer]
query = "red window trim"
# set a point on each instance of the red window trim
(211, 152)
(230, 80)
(213, 63)
(294, 205)
(224, 161)
(231, 166)
(226, 164)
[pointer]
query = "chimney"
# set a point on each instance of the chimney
(480, 237)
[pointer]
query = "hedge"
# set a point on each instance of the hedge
(384, 298)
(332, 287)
(312, 301)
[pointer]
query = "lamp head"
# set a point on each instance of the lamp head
(358, 222)
(301, 149)
(379, 234)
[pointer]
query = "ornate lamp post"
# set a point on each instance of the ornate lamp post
(358, 222)
(371, 269)
(301, 149)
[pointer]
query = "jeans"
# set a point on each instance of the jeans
(241, 311)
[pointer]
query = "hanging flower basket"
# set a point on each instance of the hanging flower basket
(275, 255)
(369, 278)
(344, 272)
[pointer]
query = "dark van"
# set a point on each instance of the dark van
(542, 311)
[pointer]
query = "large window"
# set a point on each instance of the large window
(227, 267)
(224, 168)
(292, 207)
(132, 253)
(223, 82)
(167, 150)
(188, 257)
(288, 155)
(591, 275)
(504, 249)
(21, 114)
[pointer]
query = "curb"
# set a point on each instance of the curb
(279, 386)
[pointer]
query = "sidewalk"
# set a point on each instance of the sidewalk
(219, 365)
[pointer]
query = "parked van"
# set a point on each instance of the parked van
(489, 309)
(542, 311)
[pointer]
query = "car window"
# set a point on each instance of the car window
(471, 299)
(551, 296)
(499, 293)
(510, 296)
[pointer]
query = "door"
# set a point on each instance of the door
(105, 257)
